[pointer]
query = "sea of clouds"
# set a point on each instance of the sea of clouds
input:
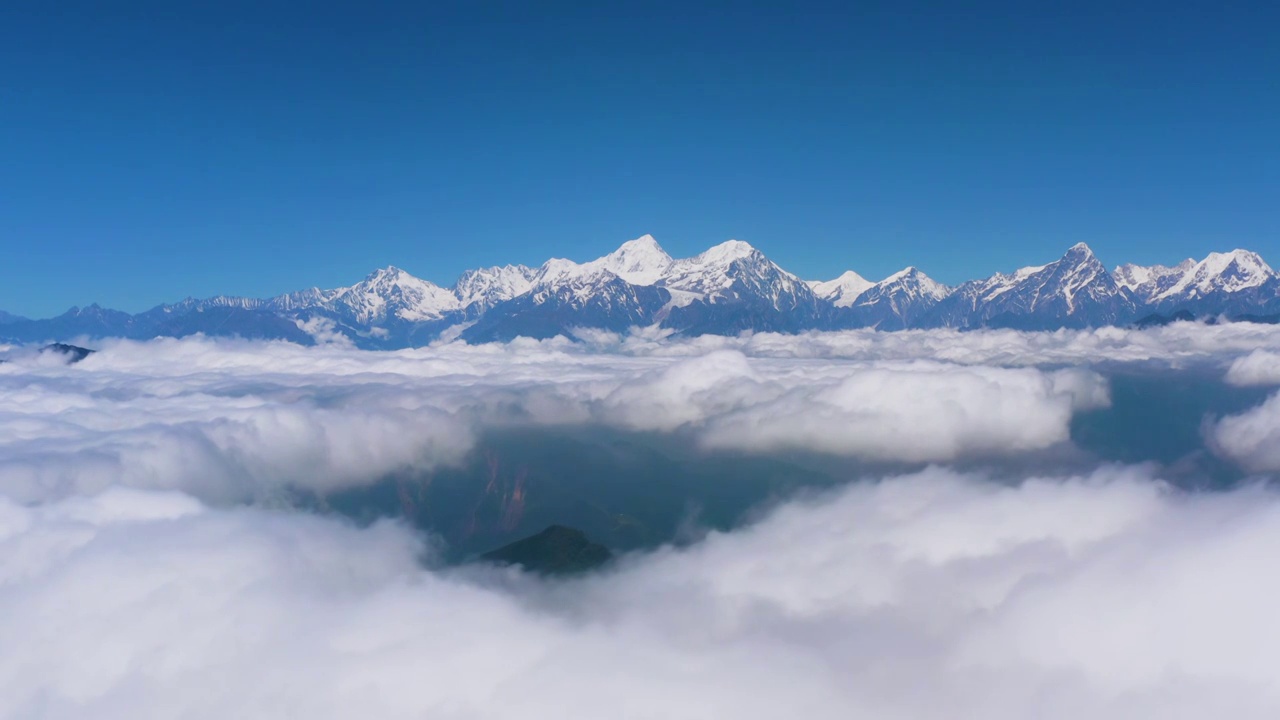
(144, 572)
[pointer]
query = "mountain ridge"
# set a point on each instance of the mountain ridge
(729, 288)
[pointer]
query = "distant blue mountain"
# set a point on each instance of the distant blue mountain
(98, 322)
(729, 289)
(91, 322)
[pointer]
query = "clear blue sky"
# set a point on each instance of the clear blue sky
(154, 150)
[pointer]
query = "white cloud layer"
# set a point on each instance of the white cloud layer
(931, 596)
(229, 420)
(132, 585)
(232, 420)
(1174, 345)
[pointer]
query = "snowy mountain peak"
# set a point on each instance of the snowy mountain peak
(644, 244)
(1079, 254)
(1026, 272)
(302, 299)
(1229, 272)
(390, 273)
(1197, 282)
(843, 290)
(392, 292)
(915, 283)
(716, 270)
(1244, 261)
(558, 270)
(388, 276)
(1146, 281)
(1074, 290)
(727, 252)
(899, 300)
(479, 290)
(640, 262)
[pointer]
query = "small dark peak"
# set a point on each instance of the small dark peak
(1272, 319)
(558, 550)
(73, 353)
(1159, 320)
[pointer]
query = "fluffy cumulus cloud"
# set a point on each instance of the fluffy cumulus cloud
(919, 412)
(923, 411)
(74, 431)
(935, 595)
(1251, 438)
(1260, 367)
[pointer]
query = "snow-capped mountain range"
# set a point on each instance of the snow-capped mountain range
(730, 288)
(1202, 286)
(1074, 291)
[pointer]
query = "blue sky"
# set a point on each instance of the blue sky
(154, 150)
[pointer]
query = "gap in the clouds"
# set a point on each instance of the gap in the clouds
(626, 490)
(631, 491)
(1158, 416)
